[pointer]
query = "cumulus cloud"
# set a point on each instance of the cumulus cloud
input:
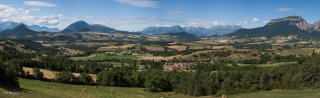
(255, 20)
(140, 3)
(19, 15)
(39, 3)
(249, 21)
(284, 9)
(252, 22)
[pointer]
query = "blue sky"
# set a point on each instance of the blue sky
(135, 15)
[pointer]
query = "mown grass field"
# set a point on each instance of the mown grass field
(308, 93)
(101, 56)
(40, 89)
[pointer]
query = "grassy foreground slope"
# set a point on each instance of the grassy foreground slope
(308, 93)
(40, 89)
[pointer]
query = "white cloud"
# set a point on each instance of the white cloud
(140, 3)
(255, 20)
(250, 21)
(284, 9)
(19, 15)
(39, 3)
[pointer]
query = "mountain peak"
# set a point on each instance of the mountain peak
(81, 22)
(294, 17)
(289, 18)
(21, 26)
(82, 26)
(293, 21)
(76, 26)
(21, 31)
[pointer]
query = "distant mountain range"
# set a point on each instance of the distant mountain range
(291, 25)
(214, 30)
(200, 31)
(12, 25)
(82, 26)
(42, 28)
(162, 30)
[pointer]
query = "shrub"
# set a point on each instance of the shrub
(37, 73)
(66, 77)
(85, 79)
(158, 84)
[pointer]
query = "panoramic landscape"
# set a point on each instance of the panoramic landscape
(159, 49)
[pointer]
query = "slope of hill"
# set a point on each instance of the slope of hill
(41, 89)
(16, 45)
(292, 25)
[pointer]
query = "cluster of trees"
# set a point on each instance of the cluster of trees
(68, 77)
(63, 64)
(253, 46)
(9, 69)
(8, 76)
(270, 58)
(172, 52)
(218, 79)
(222, 53)
(86, 49)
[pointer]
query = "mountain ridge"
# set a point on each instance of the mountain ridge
(199, 31)
(11, 25)
(291, 25)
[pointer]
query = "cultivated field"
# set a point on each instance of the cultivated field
(178, 47)
(154, 48)
(108, 48)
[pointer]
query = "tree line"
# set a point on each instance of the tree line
(218, 79)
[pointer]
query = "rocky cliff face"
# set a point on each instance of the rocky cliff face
(316, 26)
(299, 22)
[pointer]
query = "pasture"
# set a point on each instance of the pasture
(41, 89)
